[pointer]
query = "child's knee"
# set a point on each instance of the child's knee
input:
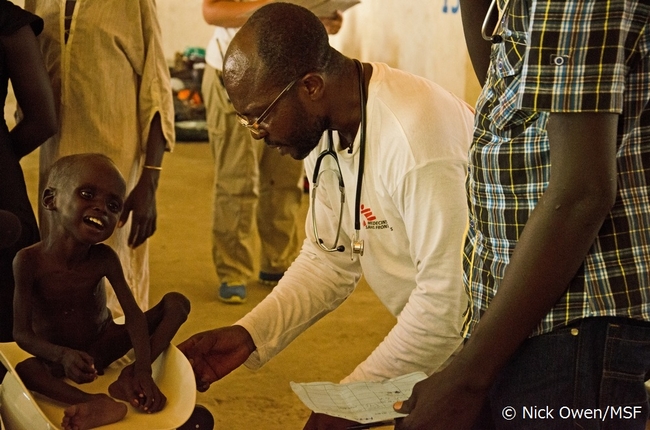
(30, 371)
(25, 368)
(177, 304)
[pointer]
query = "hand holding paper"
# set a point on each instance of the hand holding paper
(363, 402)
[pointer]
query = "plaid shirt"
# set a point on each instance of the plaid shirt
(562, 56)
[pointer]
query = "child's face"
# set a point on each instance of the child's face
(90, 203)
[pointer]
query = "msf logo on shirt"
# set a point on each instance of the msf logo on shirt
(370, 221)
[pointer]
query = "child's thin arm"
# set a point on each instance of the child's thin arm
(143, 391)
(24, 267)
(135, 320)
(78, 365)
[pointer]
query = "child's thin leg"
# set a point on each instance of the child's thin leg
(37, 376)
(112, 345)
(164, 320)
(87, 410)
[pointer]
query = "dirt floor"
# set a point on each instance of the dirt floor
(180, 260)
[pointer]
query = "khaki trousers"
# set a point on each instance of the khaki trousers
(257, 192)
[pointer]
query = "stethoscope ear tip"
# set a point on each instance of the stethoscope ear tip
(494, 36)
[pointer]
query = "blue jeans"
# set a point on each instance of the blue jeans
(589, 375)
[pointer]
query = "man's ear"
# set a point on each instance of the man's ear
(314, 84)
(48, 199)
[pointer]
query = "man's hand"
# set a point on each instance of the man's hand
(445, 400)
(327, 422)
(215, 353)
(78, 366)
(141, 203)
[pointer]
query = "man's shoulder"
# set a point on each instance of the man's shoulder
(384, 72)
(410, 111)
(410, 91)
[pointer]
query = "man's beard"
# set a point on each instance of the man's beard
(303, 140)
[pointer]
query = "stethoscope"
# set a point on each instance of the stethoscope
(357, 245)
(495, 35)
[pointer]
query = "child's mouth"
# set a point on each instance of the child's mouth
(94, 222)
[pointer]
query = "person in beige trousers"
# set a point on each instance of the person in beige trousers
(256, 190)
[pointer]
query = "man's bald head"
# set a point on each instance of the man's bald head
(279, 42)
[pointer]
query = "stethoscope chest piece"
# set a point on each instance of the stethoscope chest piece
(356, 245)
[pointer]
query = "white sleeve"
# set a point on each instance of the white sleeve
(316, 283)
(427, 334)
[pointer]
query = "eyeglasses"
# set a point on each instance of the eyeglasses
(254, 127)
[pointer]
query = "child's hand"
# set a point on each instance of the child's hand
(147, 396)
(139, 389)
(78, 366)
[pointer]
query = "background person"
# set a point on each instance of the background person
(291, 88)
(22, 64)
(253, 184)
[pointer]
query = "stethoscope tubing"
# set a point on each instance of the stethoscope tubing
(362, 155)
(357, 243)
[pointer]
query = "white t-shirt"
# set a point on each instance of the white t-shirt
(414, 214)
(217, 46)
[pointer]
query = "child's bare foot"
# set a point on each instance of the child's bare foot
(121, 388)
(130, 389)
(99, 411)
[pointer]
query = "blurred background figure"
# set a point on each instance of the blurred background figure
(10, 229)
(254, 186)
(22, 64)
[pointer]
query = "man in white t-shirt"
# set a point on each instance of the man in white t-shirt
(295, 92)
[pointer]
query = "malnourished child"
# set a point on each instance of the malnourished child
(60, 312)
